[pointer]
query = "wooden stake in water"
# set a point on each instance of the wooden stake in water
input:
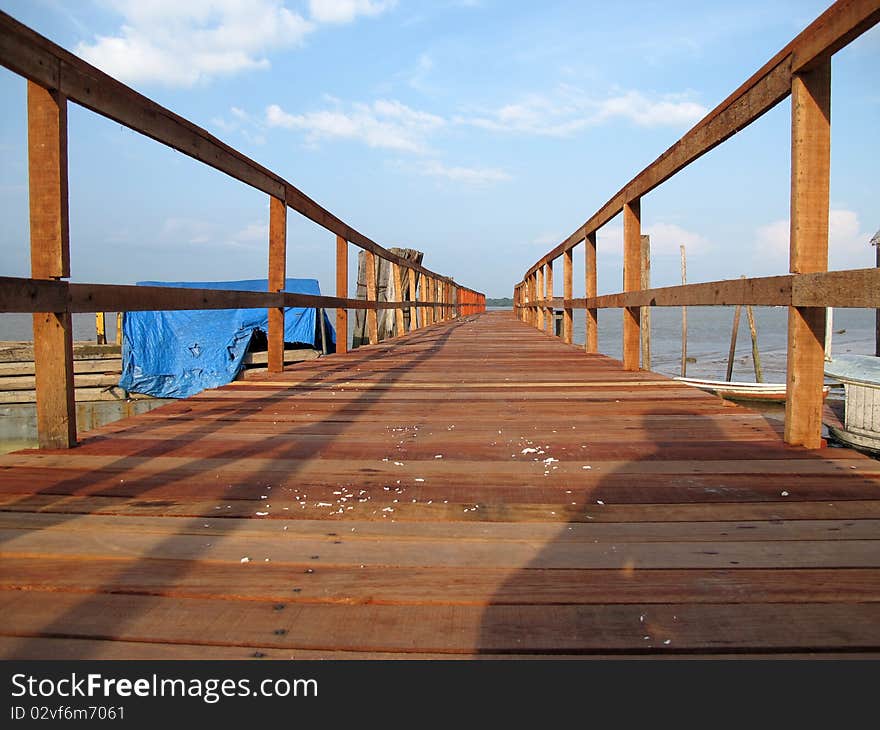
(684, 316)
(756, 356)
(829, 324)
(733, 335)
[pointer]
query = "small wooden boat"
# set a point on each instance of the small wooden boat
(732, 390)
(860, 375)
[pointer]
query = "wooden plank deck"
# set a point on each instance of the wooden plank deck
(475, 488)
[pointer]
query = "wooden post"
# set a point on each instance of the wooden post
(539, 283)
(372, 296)
(342, 293)
(50, 259)
(277, 275)
(397, 276)
(645, 313)
(684, 316)
(632, 279)
(548, 316)
(756, 355)
(810, 165)
(567, 317)
(413, 309)
(119, 328)
(591, 344)
(100, 329)
(733, 336)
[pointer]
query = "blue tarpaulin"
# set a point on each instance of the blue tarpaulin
(178, 354)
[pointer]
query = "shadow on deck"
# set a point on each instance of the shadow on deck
(471, 489)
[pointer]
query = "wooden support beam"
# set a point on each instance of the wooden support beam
(413, 310)
(277, 276)
(567, 318)
(632, 277)
(591, 343)
(539, 283)
(342, 293)
(549, 311)
(50, 259)
(397, 278)
(645, 312)
(372, 296)
(810, 168)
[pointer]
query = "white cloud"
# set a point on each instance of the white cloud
(198, 232)
(569, 110)
(345, 11)
(665, 240)
(186, 42)
(849, 247)
(667, 237)
(382, 124)
(469, 175)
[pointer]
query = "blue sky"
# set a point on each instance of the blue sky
(480, 131)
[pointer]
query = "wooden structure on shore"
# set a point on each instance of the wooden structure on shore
(471, 487)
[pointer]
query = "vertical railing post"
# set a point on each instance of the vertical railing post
(810, 165)
(413, 309)
(539, 283)
(632, 281)
(645, 312)
(277, 275)
(591, 343)
(567, 317)
(342, 293)
(535, 299)
(372, 296)
(50, 259)
(548, 315)
(396, 275)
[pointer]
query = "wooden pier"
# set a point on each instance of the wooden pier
(474, 488)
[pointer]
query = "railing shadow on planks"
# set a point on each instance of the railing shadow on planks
(54, 77)
(802, 70)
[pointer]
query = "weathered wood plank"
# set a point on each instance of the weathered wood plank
(810, 183)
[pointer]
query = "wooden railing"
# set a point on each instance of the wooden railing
(56, 77)
(803, 70)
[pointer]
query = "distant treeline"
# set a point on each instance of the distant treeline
(502, 302)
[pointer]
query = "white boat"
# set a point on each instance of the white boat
(732, 390)
(860, 375)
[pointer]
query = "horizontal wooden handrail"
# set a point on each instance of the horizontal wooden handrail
(38, 59)
(836, 27)
(22, 295)
(851, 288)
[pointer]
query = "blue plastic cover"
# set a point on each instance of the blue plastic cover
(178, 354)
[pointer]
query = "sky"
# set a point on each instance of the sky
(482, 132)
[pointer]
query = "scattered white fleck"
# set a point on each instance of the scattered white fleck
(261, 514)
(245, 560)
(284, 528)
(418, 479)
(438, 456)
(549, 460)
(642, 618)
(398, 463)
(267, 560)
(388, 509)
(529, 451)
(668, 642)
(586, 467)
(599, 501)
(784, 494)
